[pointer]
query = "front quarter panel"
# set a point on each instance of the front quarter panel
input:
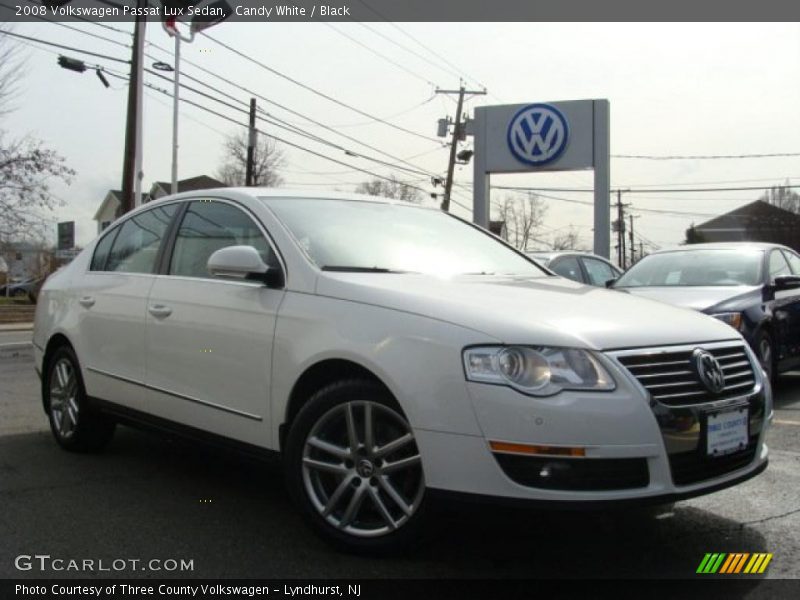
(417, 358)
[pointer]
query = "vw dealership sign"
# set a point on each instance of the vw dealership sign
(544, 136)
(538, 134)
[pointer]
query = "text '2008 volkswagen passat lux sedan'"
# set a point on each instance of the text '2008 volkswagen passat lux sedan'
(392, 354)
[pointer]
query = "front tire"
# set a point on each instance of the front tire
(765, 351)
(353, 466)
(74, 425)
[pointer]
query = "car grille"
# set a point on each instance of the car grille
(670, 378)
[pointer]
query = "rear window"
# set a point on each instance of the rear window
(136, 245)
(101, 251)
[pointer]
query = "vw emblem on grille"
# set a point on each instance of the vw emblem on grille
(708, 370)
(537, 134)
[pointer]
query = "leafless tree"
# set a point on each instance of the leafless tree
(268, 159)
(567, 240)
(390, 188)
(10, 72)
(27, 167)
(523, 217)
(783, 197)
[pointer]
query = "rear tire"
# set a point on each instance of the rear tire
(353, 466)
(74, 425)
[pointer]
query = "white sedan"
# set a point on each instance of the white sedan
(393, 354)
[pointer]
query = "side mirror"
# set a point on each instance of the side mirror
(786, 282)
(610, 283)
(243, 262)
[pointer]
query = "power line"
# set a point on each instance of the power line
(725, 182)
(295, 130)
(407, 49)
(291, 129)
(457, 71)
(705, 156)
(383, 56)
(63, 47)
(89, 33)
(317, 92)
(648, 190)
(289, 110)
(282, 140)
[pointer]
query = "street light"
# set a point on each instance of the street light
(218, 12)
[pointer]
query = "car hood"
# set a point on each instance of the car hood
(547, 311)
(696, 298)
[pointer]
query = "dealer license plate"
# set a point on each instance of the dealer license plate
(727, 431)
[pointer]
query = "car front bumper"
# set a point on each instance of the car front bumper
(635, 450)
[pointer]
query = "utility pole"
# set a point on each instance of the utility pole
(131, 163)
(451, 165)
(620, 229)
(175, 101)
(633, 247)
(251, 147)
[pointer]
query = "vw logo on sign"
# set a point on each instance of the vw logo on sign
(708, 370)
(538, 134)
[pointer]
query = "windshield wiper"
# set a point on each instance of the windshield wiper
(353, 269)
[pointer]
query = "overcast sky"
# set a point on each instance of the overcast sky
(674, 89)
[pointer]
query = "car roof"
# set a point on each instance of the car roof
(267, 192)
(555, 253)
(723, 246)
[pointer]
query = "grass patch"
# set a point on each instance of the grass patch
(14, 301)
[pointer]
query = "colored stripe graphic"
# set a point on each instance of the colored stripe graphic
(703, 563)
(728, 563)
(734, 563)
(711, 563)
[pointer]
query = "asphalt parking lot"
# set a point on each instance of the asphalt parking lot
(150, 497)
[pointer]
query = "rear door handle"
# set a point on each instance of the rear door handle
(159, 310)
(86, 301)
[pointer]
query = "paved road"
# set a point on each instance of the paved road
(151, 497)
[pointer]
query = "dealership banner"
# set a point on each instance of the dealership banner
(392, 589)
(263, 11)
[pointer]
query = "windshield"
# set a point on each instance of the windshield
(359, 236)
(695, 268)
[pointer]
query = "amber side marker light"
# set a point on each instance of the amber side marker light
(512, 448)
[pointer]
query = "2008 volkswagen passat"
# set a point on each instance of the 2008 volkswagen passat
(392, 354)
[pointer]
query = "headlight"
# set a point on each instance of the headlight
(537, 371)
(734, 319)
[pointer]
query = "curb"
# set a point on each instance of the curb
(8, 327)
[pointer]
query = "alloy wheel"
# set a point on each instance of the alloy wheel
(64, 410)
(765, 355)
(362, 470)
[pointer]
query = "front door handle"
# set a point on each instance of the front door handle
(87, 301)
(159, 310)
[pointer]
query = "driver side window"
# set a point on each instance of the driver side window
(778, 265)
(208, 226)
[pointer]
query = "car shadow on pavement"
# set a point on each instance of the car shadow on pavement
(786, 391)
(149, 496)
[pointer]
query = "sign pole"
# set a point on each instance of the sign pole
(602, 178)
